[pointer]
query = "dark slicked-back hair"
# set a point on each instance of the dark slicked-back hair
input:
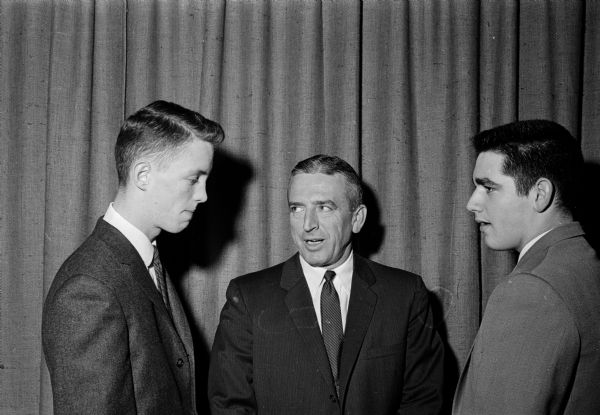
(331, 165)
(535, 149)
(159, 130)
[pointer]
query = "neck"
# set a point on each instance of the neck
(133, 209)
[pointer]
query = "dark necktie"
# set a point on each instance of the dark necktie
(331, 322)
(161, 281)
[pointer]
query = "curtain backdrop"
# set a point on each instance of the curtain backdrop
(395, 87)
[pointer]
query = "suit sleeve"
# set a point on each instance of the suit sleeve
(230, 375)
(85, 342)
(424, 372)
(525, 353)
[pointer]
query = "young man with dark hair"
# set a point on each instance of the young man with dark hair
(114, 332)
(537, 350)
(326, 332)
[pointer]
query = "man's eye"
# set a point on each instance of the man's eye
(295, 209)
(325, 208)
(193, 180)
(488, 189)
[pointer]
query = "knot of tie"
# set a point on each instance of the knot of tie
(329, 275)
(155, 259)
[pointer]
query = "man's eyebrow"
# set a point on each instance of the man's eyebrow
(314, 202)
(324, 202)
(198, 173)
(484, 181)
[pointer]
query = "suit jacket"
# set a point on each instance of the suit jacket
(110, 344)
(538, 347)
(268, 355)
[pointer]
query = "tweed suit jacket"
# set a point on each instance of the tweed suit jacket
(268, 355)
(110, 344)
(538, 347)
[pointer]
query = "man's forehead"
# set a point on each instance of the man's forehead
(489, 170)
(190, 157)
(314, 180)
(489, 162)
(317, 186)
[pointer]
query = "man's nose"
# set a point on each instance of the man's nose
(311, 221)
(200, 194)
(474, 205)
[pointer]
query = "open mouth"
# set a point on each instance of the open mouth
(313, 242)
(483, 224)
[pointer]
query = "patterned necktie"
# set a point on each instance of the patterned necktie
(331, 322)
(161, 281)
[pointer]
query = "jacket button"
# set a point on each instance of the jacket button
(179, 362)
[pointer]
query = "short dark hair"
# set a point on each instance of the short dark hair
(331, 165)
(159, 129)
(535, 149)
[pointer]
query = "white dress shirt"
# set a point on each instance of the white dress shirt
(138, 239)
(342, 283)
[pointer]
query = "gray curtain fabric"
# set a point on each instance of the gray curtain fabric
(395, 87)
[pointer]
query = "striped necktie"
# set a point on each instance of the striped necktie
(331, 322)
(161, 280)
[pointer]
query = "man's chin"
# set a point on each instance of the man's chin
(496, 246)
(176, 228)
(313, 260)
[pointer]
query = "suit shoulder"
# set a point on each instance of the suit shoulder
(94, 259)
(391, 276)
(91, 254)
(256, 288)
(571, 267)
(271, 274)
(571, 256)
(84, 271)
(386, 269)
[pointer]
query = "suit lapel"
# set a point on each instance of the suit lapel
(302, 313)
(360, 312)
(179, 318)
(184, 339)
(176, 335)
(457, 401)
(127, 255)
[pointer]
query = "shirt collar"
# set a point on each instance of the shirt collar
(529, 244)
(343, 273)
(138, 239)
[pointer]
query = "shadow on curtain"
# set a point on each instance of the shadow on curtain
(201, 245)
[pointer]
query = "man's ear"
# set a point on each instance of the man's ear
(141, 174)
(358, 218)
(542, 194)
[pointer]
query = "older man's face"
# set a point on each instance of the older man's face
(321, 219)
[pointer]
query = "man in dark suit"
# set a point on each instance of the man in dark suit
(537, 350)
(326, 332)
(114, 333)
